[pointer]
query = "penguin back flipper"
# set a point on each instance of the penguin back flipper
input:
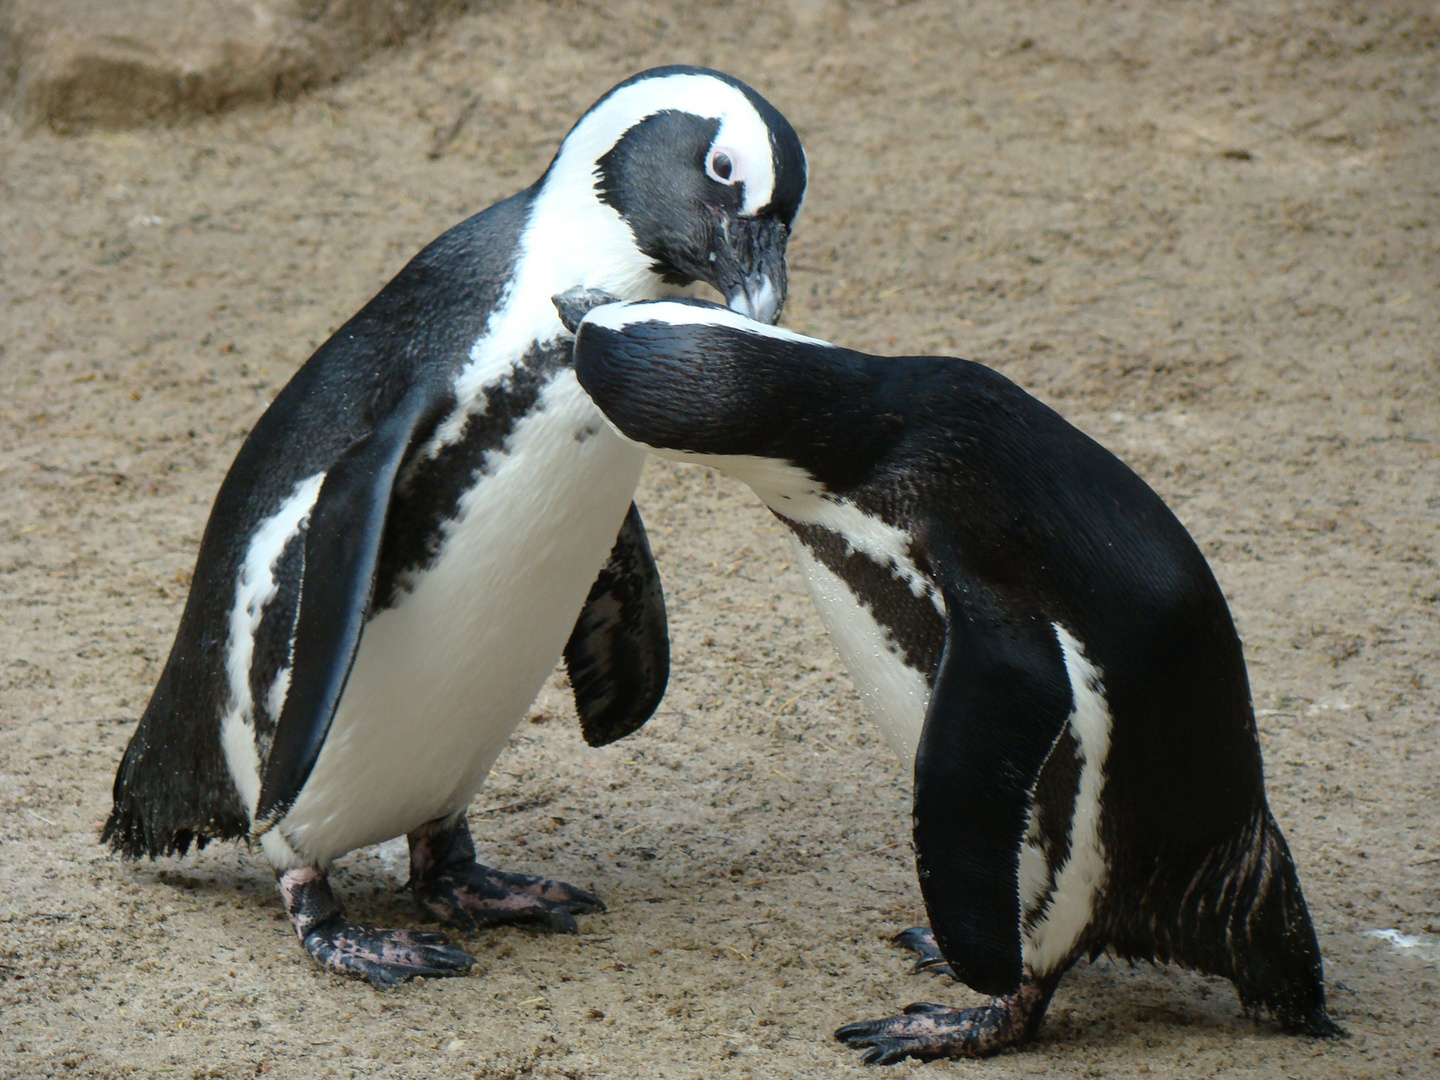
(163, 803)
(1000, 701)
(342, 551)
(1237, 911)
(618, 655)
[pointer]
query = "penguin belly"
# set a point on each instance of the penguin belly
(442, 678)
(895, 694)
(885, 616)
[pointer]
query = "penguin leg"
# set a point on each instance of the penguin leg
(921, 941)
(929, 1031)
(384, 957)
(460, 892)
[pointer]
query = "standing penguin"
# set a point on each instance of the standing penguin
(410, 533)
(1032, 628)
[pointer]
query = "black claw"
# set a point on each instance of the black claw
(584, 903)
(561, 921)
(921, 941)
(933, 967)
(925, 1008)
(886, 1053)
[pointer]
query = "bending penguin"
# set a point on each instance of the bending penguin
(431, 513)
(1032, 628)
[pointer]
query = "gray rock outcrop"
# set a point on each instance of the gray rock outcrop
(76, 64)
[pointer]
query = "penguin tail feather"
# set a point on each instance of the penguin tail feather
(1276, 957)
(1237, 912)
(129, 837)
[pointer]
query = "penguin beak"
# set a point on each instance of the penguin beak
(748, 266)
(574, 305)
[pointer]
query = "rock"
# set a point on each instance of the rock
(76, 64)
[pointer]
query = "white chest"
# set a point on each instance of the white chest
(442, 678)
(895, 694)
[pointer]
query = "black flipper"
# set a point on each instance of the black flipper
(342, 548)
(618, 655)
(1000, 701)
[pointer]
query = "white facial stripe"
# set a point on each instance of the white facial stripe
(741, 127)
(667, 312)
(255, 588)
(805, 162)
(1080, 879)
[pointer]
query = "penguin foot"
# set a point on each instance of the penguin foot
(385, 958)
(451, 885)
(929, 1031)
(921, 941)
(481, 896)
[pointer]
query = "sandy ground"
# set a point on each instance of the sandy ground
(1211, 238)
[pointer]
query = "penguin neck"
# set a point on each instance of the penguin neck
(570, 239)
(779, 485)
(799, 499)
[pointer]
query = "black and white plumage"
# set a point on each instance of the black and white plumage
(1032, 628)
(413, 531)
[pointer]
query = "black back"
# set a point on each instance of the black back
(1005, 499)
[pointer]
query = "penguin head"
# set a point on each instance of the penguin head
(792, 416)
(705, 175)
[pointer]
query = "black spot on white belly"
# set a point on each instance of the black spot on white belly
(433, 489)
(913, 623)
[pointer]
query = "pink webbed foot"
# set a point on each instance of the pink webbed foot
(921, 941)
(385, 958)
(929, 1031)
(457, 890)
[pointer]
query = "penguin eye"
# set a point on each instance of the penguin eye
(720, 166)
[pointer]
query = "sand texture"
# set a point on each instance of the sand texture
(1208, 234)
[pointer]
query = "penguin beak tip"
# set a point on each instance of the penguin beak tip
(756, 298)
(572, 306)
